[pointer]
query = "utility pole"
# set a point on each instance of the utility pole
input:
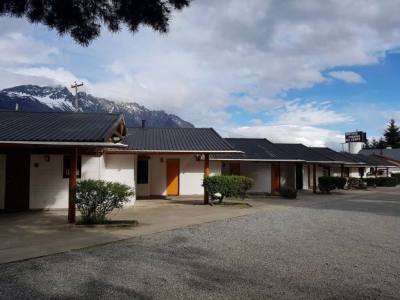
(76, 86)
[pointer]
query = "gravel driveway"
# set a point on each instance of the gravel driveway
(336, 249)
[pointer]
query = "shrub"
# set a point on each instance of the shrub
(97, 198)
(227, 186)
(356, 183)
(371, 181)
(288, 193)
(397, 176)
(386, 181)
(329, 183)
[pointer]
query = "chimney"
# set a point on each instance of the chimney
(143, 123)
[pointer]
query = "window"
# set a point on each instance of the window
(67, 166)
(326, 171)
(346, 172)
(143, 171)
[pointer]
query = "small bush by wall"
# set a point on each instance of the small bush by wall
(356, 183)
(97, 198)
(288, 193)
(397, 176)
(227, 186)
(329, 183)
(382, 181)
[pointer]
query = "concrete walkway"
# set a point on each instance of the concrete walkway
(34, 234)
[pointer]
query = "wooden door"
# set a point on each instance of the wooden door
(275, 179)
(234, 169)
(173, 177)
(17, 182)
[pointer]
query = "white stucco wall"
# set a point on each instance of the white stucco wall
(2, 179)
(190, 177)
(119, 168)
(305, 177)
(260, 172)
(49, 190)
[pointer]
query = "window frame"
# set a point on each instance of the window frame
(67, 166)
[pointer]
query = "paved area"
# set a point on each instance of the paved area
(324, 248)
(34, 234)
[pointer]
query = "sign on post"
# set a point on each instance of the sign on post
(355, 137)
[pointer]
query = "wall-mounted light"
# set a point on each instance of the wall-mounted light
(161, 159)
(47, 158)
(36, 165)
(199, 157)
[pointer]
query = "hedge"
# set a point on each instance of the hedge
(382, 181)
(329, 183)
(397, 176)
(227, 186)
(356, 183)
(288, 193)
(97, 198)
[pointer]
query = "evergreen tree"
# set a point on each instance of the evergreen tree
(83, 19)
(392, 135)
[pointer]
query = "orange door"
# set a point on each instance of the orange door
(173, 177)
(275, 179)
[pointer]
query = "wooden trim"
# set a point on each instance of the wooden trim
(72, 186)
(206, 174)
(118, 128)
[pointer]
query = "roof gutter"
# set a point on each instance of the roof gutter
(65, 144)
(180, 151)
(266, 160)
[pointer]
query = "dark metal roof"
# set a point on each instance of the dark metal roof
(369, 160)
(334, 155)
(388, 153)
(302, 152)
(56, 126)
(254, 149)
(176, 140)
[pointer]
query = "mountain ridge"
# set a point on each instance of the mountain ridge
(58, 98)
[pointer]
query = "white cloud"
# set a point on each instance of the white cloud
(219, 48)
(307, 135)
(310, 113)
(56, 76)
(347, 76)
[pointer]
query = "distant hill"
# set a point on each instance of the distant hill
(37, 98)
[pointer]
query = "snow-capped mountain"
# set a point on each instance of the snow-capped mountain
(36, 98)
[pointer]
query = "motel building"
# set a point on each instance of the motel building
(292, 166)
(44, 154)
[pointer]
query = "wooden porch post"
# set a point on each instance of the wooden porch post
(314, 178)
(72, 185)
(342, 170)
(206, 174)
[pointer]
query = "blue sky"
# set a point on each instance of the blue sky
(289, 71)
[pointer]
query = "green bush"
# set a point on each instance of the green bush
(382, 181)
(227, 186)
(397, 176)
(288, 193)
(386, 181)
(97, 198)
(370, 181)
(329, 183)
(356, 183)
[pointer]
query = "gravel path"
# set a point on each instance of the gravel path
(343, 249)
